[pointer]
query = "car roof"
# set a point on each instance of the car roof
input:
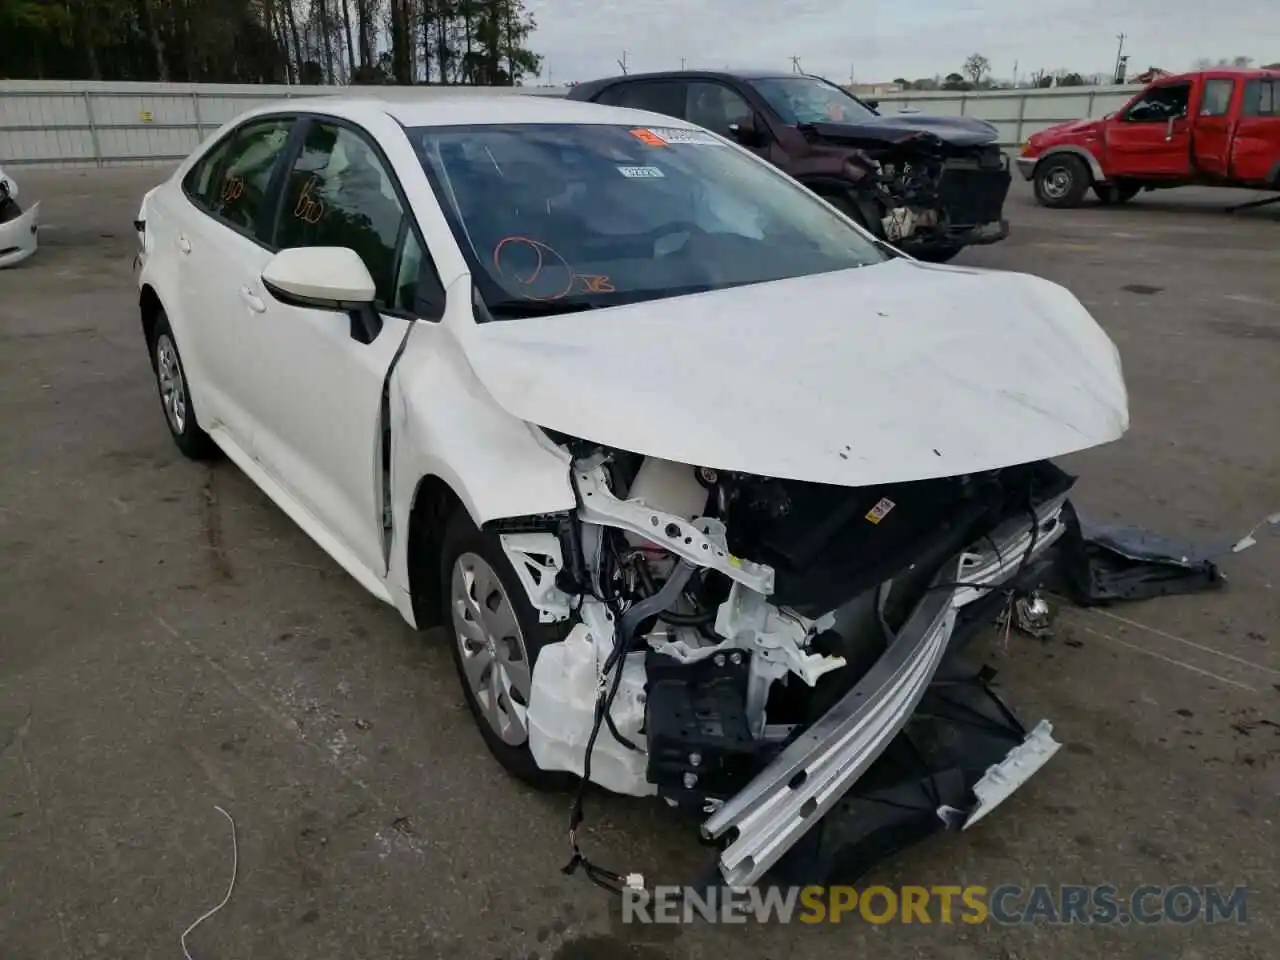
(438, 107)
(1247, 73)
(739, 74)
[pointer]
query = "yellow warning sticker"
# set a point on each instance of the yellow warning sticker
(880, 510)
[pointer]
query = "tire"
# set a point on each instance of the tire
(473, 564)
(1061, 181)
(1115, 193)
(175, 395)
(939, 253)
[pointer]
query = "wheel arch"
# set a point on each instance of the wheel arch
(1095, 168)
(434, 501)
(149, 308)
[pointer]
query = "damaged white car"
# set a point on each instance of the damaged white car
(19, 228)
(704, 482)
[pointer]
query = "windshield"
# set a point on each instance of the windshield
(801, 99)
(565, 217)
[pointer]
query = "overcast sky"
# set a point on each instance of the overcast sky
(881, 39)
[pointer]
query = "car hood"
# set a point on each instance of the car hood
(898, 371)
(1069, 127)
(956, 131)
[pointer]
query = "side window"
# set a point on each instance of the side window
(1161, 104)
(201, 179)
(338, 194)
(715, 106)
(236, 185)
(417, 290)
(1262, 98)
(1217, 98)
(660, 96)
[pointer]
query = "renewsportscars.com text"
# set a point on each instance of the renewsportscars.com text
(941, 904)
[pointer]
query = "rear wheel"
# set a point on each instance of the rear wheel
(496, 637)
(1061, 181)
(175, 397)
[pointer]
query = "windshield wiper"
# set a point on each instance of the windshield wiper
(537, 308)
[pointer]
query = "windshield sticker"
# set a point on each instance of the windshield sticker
(880, 510)
(648, 137)
(676, 135)
(641, 173)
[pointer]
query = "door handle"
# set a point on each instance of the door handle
(184, 244)
(252, 300)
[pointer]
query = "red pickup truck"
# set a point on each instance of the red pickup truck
(1216, 128)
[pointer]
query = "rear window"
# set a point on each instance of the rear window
(1260, 98)
(559, 217)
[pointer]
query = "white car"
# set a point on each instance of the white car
(689, 466)
(19, 229)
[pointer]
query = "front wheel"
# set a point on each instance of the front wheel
(496, 637)
(1061, 181)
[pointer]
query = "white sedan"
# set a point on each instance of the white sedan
(19, 228)
(704, 482)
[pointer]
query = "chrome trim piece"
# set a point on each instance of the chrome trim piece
(991, 561)
(787, 798)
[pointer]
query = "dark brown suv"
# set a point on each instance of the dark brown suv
(929, 185)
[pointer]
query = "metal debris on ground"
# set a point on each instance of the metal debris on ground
(1031, 615)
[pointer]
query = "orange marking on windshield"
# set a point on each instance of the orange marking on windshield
(593, 283)
(543, 251)
(648, 137)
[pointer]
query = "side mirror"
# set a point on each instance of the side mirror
(326, 278)
(748, 132)
(873, 104)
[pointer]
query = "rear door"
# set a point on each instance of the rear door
(219, 253)
(1211, 135)
(319, 380)
(1151, 138)
(1255, 149)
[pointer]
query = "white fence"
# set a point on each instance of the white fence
(74, 123)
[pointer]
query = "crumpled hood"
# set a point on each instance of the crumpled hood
(956, 131)
(898, 371)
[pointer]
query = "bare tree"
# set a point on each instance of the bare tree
(976, 67)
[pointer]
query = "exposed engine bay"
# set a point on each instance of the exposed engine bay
(747, 648)
(926, 188)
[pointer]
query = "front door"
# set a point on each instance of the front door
(1151, 138)
(1211, 137)
(718, 108)
(319, 380)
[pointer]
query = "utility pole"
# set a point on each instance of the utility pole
(1015, 74)
(795, 65)
(623, 62)
(1115, 72)
(682, 63)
